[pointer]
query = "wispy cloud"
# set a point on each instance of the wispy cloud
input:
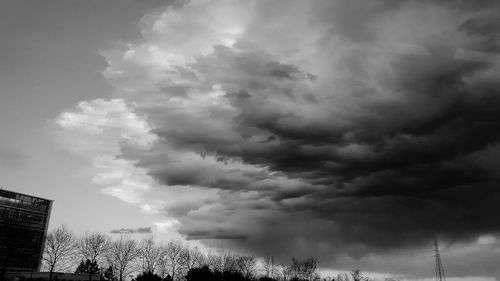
(139, 230)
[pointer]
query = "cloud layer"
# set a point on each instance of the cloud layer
(350, 130)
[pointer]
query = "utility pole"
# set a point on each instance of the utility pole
(439, 265)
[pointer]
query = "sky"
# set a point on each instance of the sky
(354, 131)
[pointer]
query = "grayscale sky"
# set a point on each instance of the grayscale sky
(354, 131)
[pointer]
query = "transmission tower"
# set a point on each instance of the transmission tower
(439, 265)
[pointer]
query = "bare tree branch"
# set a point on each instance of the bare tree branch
(59, 249)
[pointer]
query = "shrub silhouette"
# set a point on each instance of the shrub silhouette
(147, 276)
(205, 274)
(200, 274)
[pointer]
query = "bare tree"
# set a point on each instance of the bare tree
(172, 257)
(229, 262)
(295, 268)
(150, 253)
(191, 258)
(163, 268)
(309, 266)
(59, 248)
(93, 246)
(342, 277)
(246, 265)
(269, 267)
(285, 272)
(215, 262)
(303, 269)
(121, 253)
(357, 276)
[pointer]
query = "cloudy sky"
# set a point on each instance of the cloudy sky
(354, 131)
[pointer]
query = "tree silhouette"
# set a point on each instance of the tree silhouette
(357, 276)
(109, 274)
(303, 269)
(59, 248)
(120, 255)
(150, 254)
(88, 266)
(178, 260)
(147, 276)
(93, 246)
(172, 256)
(200, 274)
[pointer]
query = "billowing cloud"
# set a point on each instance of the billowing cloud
(97, 129)
(354, 131)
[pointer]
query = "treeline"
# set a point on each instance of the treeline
(115, 259)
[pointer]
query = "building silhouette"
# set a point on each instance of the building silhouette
(23, 225)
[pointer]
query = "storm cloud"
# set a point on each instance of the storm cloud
(348, 130)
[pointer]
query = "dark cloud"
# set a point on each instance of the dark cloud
(397, 175)
(214, 234)
(416, 160)
(485, 31)
(373, 140)
(139, 230)
(356, 20)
